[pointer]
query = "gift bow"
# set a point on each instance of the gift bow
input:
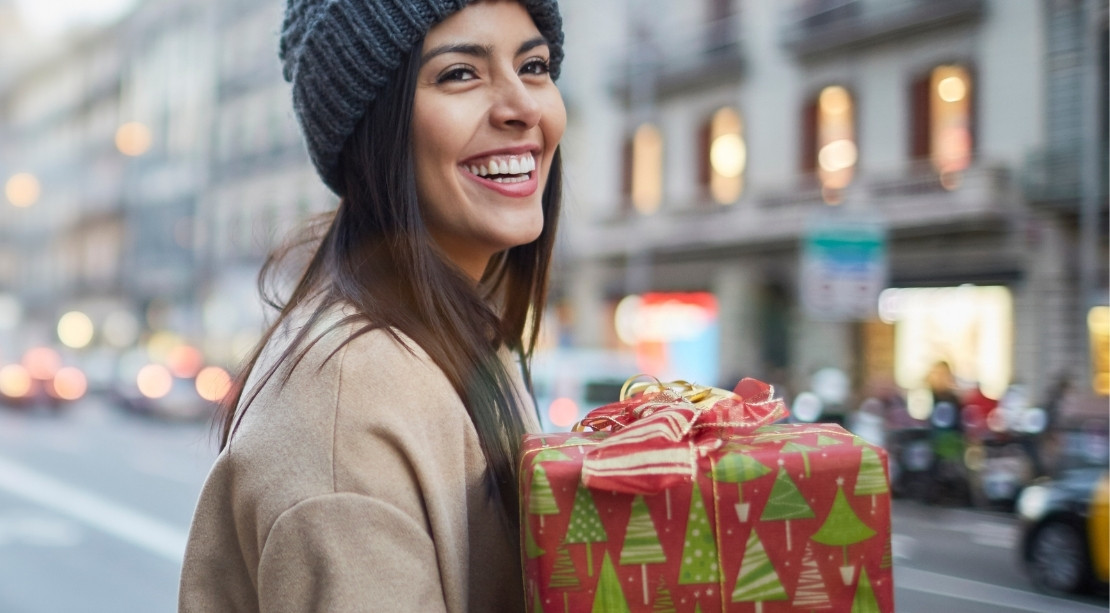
(661, 429)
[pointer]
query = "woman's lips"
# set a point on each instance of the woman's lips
(517, 189)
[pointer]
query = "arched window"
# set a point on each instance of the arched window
(643, 169)
(723, 156)
(942, 115)
(829, 139)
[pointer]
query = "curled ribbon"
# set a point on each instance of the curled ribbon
(661, 429)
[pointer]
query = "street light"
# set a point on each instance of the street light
(22, 189)
(133, 139)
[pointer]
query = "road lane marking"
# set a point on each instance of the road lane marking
(976, 591)
(902, 546)
(126, 524)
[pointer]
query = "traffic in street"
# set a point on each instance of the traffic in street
(95, 504)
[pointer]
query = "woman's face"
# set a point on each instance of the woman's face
(486, 120)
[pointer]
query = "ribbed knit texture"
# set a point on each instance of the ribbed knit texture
(338, 54)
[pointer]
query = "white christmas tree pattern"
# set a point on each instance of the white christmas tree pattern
(641, 542)
(842, 527)
(811, 592)
(585, 525)
(609, 597)
(699, 555)
(738, 468)
(757, 582)
(786, 502)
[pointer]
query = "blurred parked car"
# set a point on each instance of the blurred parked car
(153, 389)
(1066, 542)
(41, 378)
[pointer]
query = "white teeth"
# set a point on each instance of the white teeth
(510, 168)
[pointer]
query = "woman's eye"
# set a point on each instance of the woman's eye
(456, 74)
(535, 66)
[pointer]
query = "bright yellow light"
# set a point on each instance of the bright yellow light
(647, 168)
(69, 384)
(728, 155)
(1098, 327)
(154, 381)
(213, 383)
(834, 100)
(75, 329)
(15, 381)
(837, 155)
(23, 189)
(133, 139)
(952, 89)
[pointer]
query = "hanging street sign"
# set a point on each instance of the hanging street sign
(844, 265)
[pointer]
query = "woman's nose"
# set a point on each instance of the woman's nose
(515, 105)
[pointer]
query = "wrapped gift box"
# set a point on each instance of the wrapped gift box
(780, 517)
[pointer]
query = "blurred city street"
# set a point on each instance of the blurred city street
(95, 505)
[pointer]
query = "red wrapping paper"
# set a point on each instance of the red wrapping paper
(784, 517)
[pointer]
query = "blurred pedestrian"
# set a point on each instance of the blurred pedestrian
(367, 457)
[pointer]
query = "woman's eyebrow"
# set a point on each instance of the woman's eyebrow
(482, 51)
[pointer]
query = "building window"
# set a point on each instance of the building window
(724, 156)
(942, 119)
(643, 169)
(832, 150)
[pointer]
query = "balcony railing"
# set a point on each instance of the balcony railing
(816, 27)
(708, 54)
(914, 199)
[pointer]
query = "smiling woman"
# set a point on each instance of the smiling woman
(369, 442)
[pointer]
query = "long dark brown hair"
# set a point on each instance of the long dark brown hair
(376, 254)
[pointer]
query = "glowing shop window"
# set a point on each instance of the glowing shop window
(1098, 326)
(969, 327)
(836, 137)
(728, 156)
(647, 169)
(950, 118)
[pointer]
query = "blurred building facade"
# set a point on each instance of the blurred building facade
(779, 158)
(744, 179)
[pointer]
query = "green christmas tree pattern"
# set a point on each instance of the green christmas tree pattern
(871, 478)
(842, 527)
(887, 560)
(786, 502)
(663, 601)
(609, 597)
(641, 542)
(537, 604)
(757, 582)
(738, 468)
(541, 497)
(827, 441)
(792, 447)
(864, 601)
(811, 592)
(550, 455)
(531, 548)
(563, 573)
(699, 554)
(585, 525)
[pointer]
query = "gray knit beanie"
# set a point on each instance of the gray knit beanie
(339, 54)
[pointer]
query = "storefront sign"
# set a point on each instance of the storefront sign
(844, 266)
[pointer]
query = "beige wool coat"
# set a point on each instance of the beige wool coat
(358, 485)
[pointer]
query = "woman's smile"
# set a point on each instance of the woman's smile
(509, 172)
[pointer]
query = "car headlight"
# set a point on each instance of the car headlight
(1033, 502)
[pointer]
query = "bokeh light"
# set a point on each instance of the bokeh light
(120, 329)
(75, 329)
(69, 384)
(213, 383)
(133, 139)
(154, 381)
(184, 361)
(15, 381)
(563, 412)
(23, 189)
(42, 363)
